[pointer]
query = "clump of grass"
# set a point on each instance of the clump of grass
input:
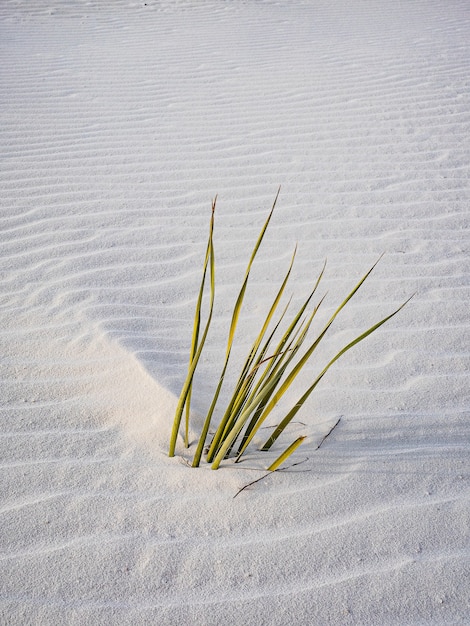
(271, 366)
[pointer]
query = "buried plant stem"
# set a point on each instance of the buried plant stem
(328, 433)
(279, 469)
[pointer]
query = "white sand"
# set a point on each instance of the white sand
(120, 120)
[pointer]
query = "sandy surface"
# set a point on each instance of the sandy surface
(120, 120)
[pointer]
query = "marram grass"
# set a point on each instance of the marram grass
(271, 366)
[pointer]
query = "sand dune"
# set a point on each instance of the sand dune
(120, 121)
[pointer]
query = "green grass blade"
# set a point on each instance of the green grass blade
(261, 414)
(267, 384)
(233, 326)
(289, 343)
(195, 352)
(263, 393)
(254, 350)
(298, 405)
(298, 367)
(258, 398)
(245, 392)
(248, 372)
(287, 452)
(300, 312)
(197, 325)
(238, 426)
(241, 295)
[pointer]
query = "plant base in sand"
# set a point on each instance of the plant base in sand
(272, 364)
